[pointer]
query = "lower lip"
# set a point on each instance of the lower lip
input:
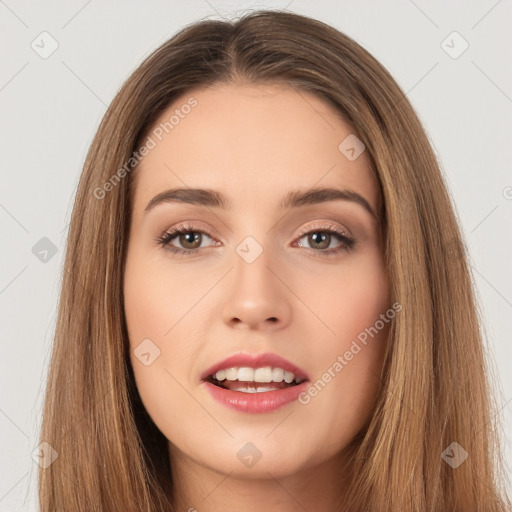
(256, 403)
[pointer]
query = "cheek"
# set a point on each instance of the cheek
(347, 363)
(150, 301)
(158, 302)
(155, 313)
(349, 297)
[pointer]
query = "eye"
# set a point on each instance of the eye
(319, 238)
(187, 235)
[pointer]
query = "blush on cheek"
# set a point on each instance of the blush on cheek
(358, 310)
(150, 307)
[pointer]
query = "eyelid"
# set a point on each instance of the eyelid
(333, 227)
(196, 226)
(190, 226)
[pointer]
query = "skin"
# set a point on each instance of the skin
(255, 144)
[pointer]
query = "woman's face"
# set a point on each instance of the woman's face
(304, 282)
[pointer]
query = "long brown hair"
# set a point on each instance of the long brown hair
(435, 384)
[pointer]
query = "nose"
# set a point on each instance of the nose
(257, 297)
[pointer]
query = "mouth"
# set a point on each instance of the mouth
(255, 383)
(254, 380)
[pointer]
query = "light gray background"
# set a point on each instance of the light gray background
(50, 109)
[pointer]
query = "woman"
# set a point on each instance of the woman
(266, 303)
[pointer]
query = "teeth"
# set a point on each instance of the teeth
(264, 374)
(288, 377)
(220, 375)
(231, 373)
(246, 374)
(259, 389)
(277, 374)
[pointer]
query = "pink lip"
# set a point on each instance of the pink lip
(254, 403)
(255, 361)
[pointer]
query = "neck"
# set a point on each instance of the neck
(202, 489)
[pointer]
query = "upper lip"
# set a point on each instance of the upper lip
(255, 361)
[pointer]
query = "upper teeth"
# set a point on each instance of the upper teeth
(264, 374)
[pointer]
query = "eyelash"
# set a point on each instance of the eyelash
(167, 236)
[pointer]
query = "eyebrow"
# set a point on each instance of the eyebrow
(294, 199)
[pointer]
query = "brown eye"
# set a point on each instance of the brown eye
(189, 239)
(185, 240)
(319, 239)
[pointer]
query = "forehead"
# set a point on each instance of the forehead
(253, 142)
